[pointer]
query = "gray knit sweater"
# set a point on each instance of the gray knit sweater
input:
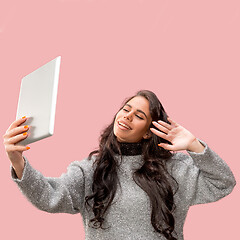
(202, 178)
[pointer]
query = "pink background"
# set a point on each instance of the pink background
(187, 52)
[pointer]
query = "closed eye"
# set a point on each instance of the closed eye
(139, 117)
(124, 109)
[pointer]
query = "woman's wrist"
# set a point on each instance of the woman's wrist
(18, 168)
(196, 146)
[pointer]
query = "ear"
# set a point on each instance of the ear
(147, 135)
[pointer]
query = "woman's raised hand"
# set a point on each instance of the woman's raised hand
(178, 136)
(13, 135)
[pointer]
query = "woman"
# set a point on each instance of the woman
(136, 185)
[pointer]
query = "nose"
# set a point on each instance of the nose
(128, 116)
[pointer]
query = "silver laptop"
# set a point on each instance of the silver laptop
(37, 100)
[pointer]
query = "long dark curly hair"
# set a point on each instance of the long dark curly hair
(152, 177)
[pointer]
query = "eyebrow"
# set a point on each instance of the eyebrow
(137, 109)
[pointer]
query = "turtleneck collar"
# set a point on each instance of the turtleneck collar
(130, 149)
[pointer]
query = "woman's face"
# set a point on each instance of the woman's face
(133, 120)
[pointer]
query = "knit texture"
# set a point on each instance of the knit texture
(202, 178)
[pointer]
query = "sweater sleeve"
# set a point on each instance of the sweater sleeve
(204, 177)
(63, 194)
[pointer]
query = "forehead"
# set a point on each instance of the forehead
(140, 103)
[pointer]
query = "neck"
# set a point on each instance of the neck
(129, 149)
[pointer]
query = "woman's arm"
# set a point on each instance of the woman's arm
(64, 194)
(203, 175)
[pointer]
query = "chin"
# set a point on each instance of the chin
(120, 138)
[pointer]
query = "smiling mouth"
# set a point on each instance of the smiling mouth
(123, 126)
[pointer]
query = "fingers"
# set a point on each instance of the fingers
(166, 125)
(16, 123)
(160, 126)
(164, 128)
(172, 122)
(15, 148)
(160, 134)
(166, 146)
(16, 138)
(15, 134)
(164, 136)
(8, 140)
(16, 131)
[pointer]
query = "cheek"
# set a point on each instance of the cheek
(118, 115)
(142, 127)
(115, 122)
(116, 119)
